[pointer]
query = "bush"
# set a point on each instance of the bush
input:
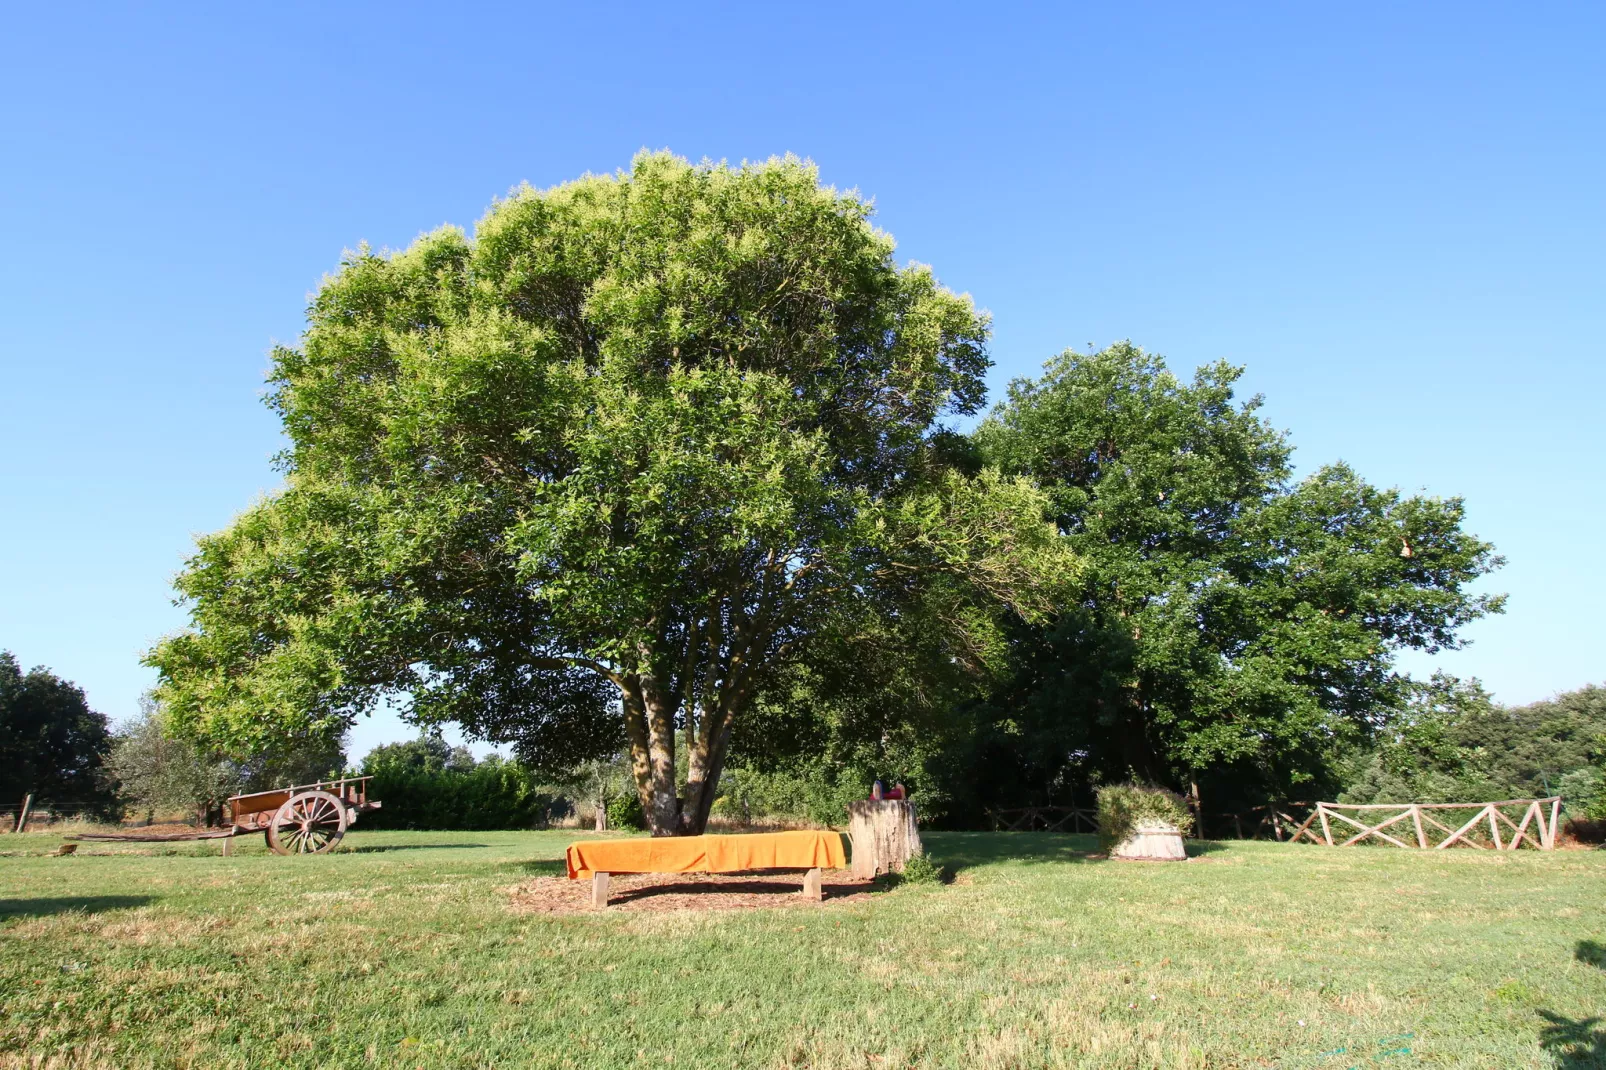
(920, 869)
(1123, 806)
(492, 794)
(812, 792)
(625, 812)
(1583, 794)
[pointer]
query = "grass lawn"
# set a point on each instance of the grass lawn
(404, 953)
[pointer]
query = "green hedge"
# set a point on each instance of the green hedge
(493, 794)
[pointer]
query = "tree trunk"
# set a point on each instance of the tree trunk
(884, 836)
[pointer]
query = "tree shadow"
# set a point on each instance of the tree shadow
(376, 848)
(780, 891)
(1197, 848)
(87, 904)
(1591, 952)
(963, 850)
(542, 867)
(1576, 1043)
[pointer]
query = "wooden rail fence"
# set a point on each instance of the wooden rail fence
(1536, 826)
(1045, 819)
(1501, 826)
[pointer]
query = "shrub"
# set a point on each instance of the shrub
(625, 812)
(1123, 806)
(813, 792)
(493, 794)
(920, 869)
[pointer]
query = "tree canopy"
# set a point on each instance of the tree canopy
(604, 470)
(51, 743)
(1229, 617)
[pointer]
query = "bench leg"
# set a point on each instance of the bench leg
(599, 890)
(227, 840)
(811, 885)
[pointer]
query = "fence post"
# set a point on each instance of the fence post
(22, 818)
(1327, 833)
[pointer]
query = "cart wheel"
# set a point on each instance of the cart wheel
(307, 824)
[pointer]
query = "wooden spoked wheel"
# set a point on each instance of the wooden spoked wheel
(308, 824)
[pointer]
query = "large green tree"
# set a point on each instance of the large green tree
(600, 472)
(1231, 619)
(51, 743)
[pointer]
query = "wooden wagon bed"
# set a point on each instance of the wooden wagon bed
(300, 819)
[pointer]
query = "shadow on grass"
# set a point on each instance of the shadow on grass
(88, 904)
(1196, 848)
(1592, 953)
(962, 850)
(375, 848)
(780, 892)
(540, 867)
(1575, 1043)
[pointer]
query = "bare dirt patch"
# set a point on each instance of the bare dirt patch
(688, 891)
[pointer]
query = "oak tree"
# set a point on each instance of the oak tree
(595, 474)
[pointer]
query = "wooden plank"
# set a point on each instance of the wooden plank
(1302, 830)
(1416, 820)
(599, 891)
(1462, 831)
(1327, 833)
(1446, 829)
(1373, 830)
(811, 885)
(1494, 826)
(22, 817)
(1522, 829)
(1555, 816)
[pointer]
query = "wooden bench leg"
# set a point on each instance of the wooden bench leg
(227, 840)
(811, 885)
(599, 890)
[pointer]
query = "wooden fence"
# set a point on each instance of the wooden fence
(1045, 819)
(1536, 826)
(1526, 821)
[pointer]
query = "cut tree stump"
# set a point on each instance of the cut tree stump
(884, 836)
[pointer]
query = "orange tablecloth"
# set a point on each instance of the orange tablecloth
(708, 854)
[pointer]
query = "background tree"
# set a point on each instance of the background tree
(51, 743)
(157, 771)
(600, 474)
(1453, 743)
(1229, 619)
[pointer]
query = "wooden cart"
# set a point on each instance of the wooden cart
(304, 819)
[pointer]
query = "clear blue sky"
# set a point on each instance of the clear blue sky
(1392, 214)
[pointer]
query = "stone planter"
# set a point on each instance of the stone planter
(1151, 841)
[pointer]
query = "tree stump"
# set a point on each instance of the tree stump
(884, 836)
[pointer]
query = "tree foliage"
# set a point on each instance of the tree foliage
(1453, 743)
(157, 771)
(422, 787)
(51, 743)
(1229, 618)
(630, 450)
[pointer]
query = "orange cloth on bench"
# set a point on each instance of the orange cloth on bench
(708, 854)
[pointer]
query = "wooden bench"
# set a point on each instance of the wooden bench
(599, 887)
(811, 851)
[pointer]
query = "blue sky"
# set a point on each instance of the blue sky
(1392, 214)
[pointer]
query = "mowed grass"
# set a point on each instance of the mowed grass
(404, 953)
